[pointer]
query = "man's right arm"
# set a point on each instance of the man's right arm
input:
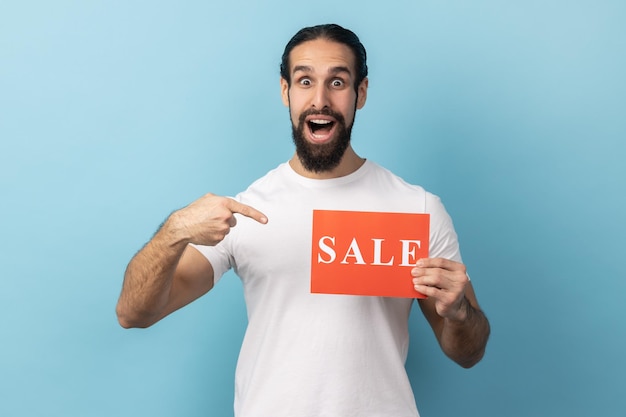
(167, 273)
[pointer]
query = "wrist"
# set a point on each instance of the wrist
(463, 311)
(176, 231)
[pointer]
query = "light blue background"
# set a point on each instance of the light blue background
(115, 113)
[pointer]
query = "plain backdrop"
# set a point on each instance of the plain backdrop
(115, 113)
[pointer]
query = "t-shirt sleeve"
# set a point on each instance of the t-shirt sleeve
(443, 238)
(219, 258)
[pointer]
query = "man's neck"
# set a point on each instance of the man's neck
(350, 162)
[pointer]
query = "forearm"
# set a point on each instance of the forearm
(464, 340)
(148, 278)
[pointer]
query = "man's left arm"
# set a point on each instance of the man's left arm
(452, 309)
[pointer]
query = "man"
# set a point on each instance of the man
(311, 354)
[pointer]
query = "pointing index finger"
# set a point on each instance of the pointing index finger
(248, 211)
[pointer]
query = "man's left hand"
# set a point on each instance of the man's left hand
(444, 282)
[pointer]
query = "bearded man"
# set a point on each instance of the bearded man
(308, 354)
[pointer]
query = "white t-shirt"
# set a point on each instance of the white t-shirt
(315, 355)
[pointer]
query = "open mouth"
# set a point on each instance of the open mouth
(320, 128)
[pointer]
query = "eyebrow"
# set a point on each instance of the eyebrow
(332, 70)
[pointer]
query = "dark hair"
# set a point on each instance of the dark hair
(334, 33)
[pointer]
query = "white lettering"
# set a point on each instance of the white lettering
(354, 252)
(408, 251)
(378, 253)
(328, 250)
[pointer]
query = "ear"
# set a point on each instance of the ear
(362, 90)
(284, 91)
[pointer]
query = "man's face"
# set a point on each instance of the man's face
(322, 101)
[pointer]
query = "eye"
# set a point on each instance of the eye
(337, 83)
(304, 82)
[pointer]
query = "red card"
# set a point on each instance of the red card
(367, 253)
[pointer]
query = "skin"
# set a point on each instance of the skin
(322, 75)
(167, 274)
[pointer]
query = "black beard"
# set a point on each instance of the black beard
(321, 157)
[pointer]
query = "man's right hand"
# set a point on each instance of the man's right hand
(209, 219)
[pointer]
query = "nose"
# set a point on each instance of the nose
(320, 97)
